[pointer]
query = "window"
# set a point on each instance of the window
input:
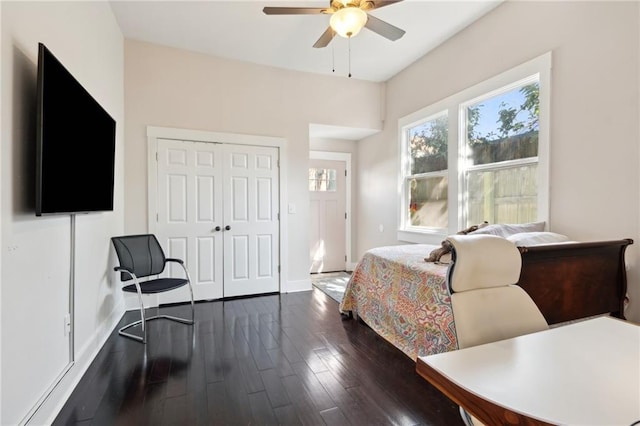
(500, 156)
(481, 154)
(322, 180)
(427, 181)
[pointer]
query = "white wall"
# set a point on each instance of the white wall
(35, 256)
(174, 88)
(594, 115)
(1, 240)
(594, 153)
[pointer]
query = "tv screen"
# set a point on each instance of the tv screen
(75, 144)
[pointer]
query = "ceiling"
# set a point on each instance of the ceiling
(240, 30)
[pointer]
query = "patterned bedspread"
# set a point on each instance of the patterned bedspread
(403, 298)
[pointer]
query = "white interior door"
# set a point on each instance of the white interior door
(218, 210)
(327, 212)
(251, 236)
(189, 212)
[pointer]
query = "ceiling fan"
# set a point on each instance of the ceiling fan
(347, 18)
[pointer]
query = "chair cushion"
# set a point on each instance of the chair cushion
(483, 261)
(492, 314)
(141, 254)
(156, 286)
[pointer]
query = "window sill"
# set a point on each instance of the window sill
(422, 237)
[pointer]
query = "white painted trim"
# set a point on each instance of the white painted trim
(296, 286)
(346, 157)
(155, 133)
(206, 136)
(421, 237)
(405, 230)
(545, 66)
(351, 267)
(152, 182)
(71, 332)
(2, 184)
(131, 301)
(49, 409)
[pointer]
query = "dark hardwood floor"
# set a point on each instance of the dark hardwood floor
(285, 359)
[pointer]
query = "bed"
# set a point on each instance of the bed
(406, 301)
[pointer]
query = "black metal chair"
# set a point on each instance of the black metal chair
(142, 256)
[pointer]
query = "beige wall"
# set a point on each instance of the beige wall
(36, 254)
(594, 169)
(594, 147)
(174, 88)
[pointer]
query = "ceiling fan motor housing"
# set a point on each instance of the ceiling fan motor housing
(362, 4)
(348, 17)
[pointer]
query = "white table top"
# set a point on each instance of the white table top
(587, 373)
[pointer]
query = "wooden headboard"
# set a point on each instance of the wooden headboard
(576, 280)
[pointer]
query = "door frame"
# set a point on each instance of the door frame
(154, 133)
(346, 157)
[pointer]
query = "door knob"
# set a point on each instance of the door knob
(228, 228)
(217, 228)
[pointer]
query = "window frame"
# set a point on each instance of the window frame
(455, 107)
(406, 172)
(328, 180)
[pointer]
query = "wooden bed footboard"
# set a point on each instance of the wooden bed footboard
(576, 280)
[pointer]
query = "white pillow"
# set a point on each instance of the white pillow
(504, 230)
(526, 239)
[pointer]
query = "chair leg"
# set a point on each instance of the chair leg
(193, 309)
(178, 319)
(142, 322)
(467, 418)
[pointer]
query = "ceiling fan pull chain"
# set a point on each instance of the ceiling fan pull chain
(349, 57)
(333, 59)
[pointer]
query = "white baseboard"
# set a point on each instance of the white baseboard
(48, 410)
(131, 302)
(295, 286)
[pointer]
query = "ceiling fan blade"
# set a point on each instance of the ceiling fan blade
(325, 38)
(293, 10)
(383, 28)
(372, 4)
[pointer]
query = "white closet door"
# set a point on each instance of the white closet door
(203, 187)
(251, 236)
(190, 204)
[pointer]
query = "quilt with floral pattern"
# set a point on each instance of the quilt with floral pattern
(403, 298)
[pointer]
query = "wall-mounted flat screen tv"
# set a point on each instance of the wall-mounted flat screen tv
(75, 144)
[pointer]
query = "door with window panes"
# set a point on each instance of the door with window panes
(327, 213)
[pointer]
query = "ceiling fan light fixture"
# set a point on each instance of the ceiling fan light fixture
(348, 21)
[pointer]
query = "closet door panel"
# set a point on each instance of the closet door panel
(189, 209)
(251, 188)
